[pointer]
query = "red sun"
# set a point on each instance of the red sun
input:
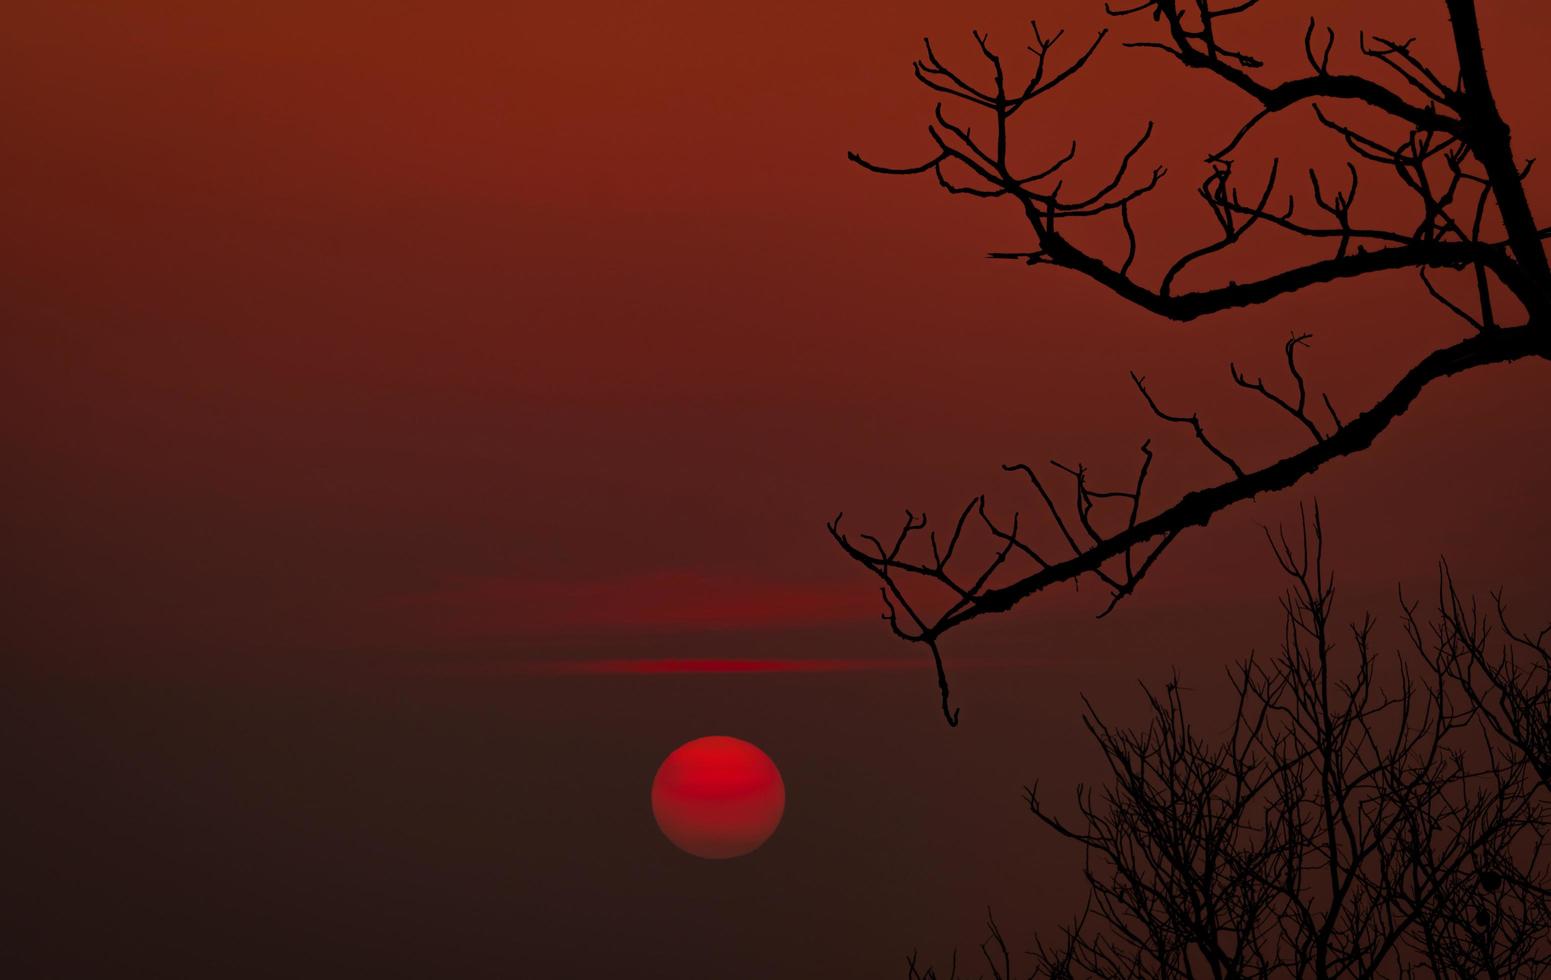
(718, 797)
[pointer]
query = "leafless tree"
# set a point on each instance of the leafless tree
(1361, 816)
(1446, 146)
(1507, 680)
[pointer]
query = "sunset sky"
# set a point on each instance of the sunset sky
(422, 418)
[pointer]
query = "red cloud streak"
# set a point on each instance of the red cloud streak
(722, 665)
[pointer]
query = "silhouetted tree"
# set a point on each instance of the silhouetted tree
(1507, 681)
(1360, 816)
(1449, 149)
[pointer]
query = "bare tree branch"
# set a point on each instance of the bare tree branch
(1471, 215)
(1359, 816)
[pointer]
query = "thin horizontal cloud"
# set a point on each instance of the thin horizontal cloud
(649, 601)
(721, 665)
(586, 666)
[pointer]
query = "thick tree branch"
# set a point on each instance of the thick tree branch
(1200, 506)
(1056, 250)
(1192, 510)
(1275, 98)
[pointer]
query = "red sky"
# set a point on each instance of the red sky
(364, 360)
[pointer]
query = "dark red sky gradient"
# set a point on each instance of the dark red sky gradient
(384, 380)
